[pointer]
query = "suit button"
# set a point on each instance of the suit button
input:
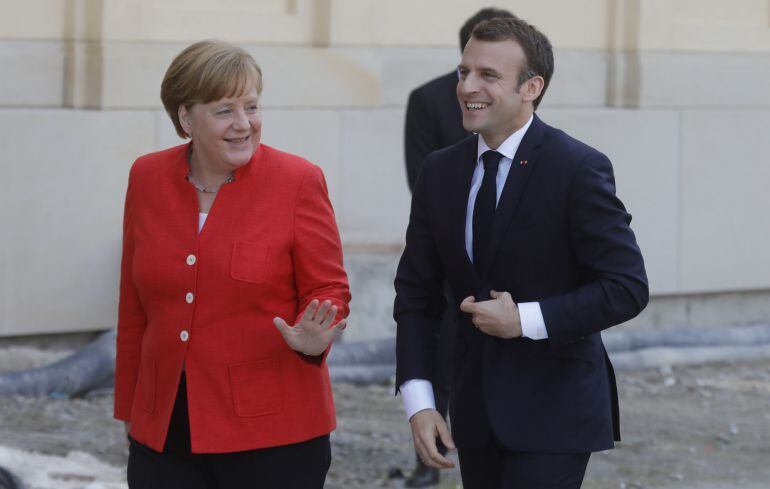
(184, 335)
(191, 260)
(189, 297)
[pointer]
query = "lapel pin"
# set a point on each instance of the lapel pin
(522, 162)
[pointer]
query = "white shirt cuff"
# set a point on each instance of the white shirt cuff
(417, 395)
(532, 322)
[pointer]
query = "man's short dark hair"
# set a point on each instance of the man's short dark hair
(537, 48)
(481, 15)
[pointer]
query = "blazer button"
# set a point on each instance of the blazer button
(184, 335)
(189, 297)
(191, 260)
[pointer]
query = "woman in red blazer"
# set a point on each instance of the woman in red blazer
(226, 242)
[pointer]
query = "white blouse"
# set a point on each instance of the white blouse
(201, 220)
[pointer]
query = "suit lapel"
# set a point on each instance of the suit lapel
(463, 173)
(521, 168)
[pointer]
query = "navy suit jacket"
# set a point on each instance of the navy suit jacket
(561, 237)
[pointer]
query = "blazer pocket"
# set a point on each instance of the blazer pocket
(257, 387)
(249, 262)
(144, 394)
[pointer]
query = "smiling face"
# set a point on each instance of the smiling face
(225, 132)
(492, 102)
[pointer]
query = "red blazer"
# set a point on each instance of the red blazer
(206, 301)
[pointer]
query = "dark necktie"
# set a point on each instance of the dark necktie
(484, 209)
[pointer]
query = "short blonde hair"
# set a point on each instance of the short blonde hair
(204, 72)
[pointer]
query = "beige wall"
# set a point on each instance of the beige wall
(649, 25)
(674, 91)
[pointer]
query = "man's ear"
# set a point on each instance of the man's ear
(533, 88)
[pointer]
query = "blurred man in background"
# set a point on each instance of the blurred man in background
(434, 121)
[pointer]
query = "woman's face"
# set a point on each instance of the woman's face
(225, 132)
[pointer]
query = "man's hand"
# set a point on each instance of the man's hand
(314, 331)
(497, 317)
(426, 426)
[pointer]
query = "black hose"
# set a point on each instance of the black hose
(623, 340)
(9, 481)
(366, 362)
(80, 372)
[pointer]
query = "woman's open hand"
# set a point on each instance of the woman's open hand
(314, 331)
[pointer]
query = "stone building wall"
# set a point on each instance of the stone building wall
(673, 91)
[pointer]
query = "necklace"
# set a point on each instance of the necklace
(208, 190)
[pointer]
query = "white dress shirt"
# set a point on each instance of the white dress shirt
(417, 394)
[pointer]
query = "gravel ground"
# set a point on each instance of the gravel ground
(695, 427)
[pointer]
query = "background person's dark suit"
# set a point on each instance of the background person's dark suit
(560, 237)
(433, 121)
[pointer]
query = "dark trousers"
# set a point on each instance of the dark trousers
(494, 467)
(300, 465)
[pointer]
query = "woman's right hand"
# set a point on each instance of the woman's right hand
(314, 331)
(127, 426)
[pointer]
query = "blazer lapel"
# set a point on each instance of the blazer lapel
(463, 173)
(515, 183)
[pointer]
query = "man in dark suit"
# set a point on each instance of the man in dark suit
(523, 222)
(434, 121)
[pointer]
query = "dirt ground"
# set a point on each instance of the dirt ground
(696, 427)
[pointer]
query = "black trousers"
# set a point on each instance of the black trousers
(297, 466)
(494, 467)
